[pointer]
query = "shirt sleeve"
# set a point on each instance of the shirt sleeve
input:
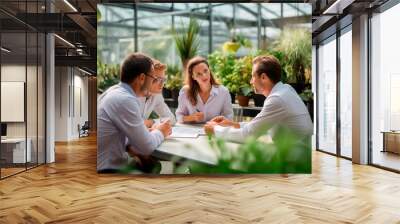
(182, 109)
(227, 110)
(162, 109)
(273, 113)
(126, 116)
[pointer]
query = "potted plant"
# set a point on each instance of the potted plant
(295, 44)
(172, 70)
(187, 41)
(174, 82)
(243, 96)
(240, 78)
(222, 66)
(258, 99)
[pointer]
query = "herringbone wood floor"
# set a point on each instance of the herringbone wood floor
(70, 191)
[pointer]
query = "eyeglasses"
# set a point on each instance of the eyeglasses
(156, 79)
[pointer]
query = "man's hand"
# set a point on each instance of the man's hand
(209, 128)
(222, 121)
(148, 123)
(165, 128)
(218, 119)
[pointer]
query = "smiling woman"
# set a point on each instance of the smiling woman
(202, 98)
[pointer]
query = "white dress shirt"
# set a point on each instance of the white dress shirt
(283, 107)
(119, 123)
(219, 103)
(156, 103)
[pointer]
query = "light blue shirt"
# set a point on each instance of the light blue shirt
(218, 104)
(120, 122)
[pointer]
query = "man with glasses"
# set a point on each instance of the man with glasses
(120, 124)
(154, 101)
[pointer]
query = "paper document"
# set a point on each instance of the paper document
(184, 132)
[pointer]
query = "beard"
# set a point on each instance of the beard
(145, 88)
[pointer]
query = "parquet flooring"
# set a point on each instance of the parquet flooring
(70, 191)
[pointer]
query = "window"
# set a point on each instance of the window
(346, 93)
(327, 96)
(385, 85)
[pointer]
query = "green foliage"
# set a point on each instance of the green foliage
(107, 75)
(295, 44)
(287, 154)
(306, 95)
(233, 73)
(243, 41)
(174, 78)
(98, 15)
(187, 42)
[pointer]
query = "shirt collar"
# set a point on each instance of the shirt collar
(214, 90)
(276, 87)
(128, 88)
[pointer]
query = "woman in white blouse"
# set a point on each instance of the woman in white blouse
(154, 102)
(202, 98)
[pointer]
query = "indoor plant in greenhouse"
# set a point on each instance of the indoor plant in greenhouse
(234, 73)
(174, 82)
(295, 44)
(241, 77)
(187, 41)
(107, 75)
(222, 66)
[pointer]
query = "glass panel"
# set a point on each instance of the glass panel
(327, 97)
(155, 37)
(115, 33)
(41, 99)
(13, 86)
(385, 84)
(346, 94)
(221, 30)
(271, 10)
(31, 98)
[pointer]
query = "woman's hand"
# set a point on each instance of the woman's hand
(196, 117)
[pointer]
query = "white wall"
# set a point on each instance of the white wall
(71, 94)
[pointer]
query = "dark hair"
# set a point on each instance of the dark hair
(133, 65)
(194, 87)
(268, 65)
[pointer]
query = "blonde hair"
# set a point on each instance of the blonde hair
(158, 65)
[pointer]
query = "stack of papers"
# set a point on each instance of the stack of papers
(184, 132)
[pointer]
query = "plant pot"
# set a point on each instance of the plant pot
(166, 93)
(175, 94)
(243, 100)
(232, 97)
(258, 100)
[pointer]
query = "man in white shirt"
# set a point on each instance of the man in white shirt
(119, 120)
(282, 106)
(154, 101)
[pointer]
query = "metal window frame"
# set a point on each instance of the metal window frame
(44, 73)
(381, 9)
(339, 32)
